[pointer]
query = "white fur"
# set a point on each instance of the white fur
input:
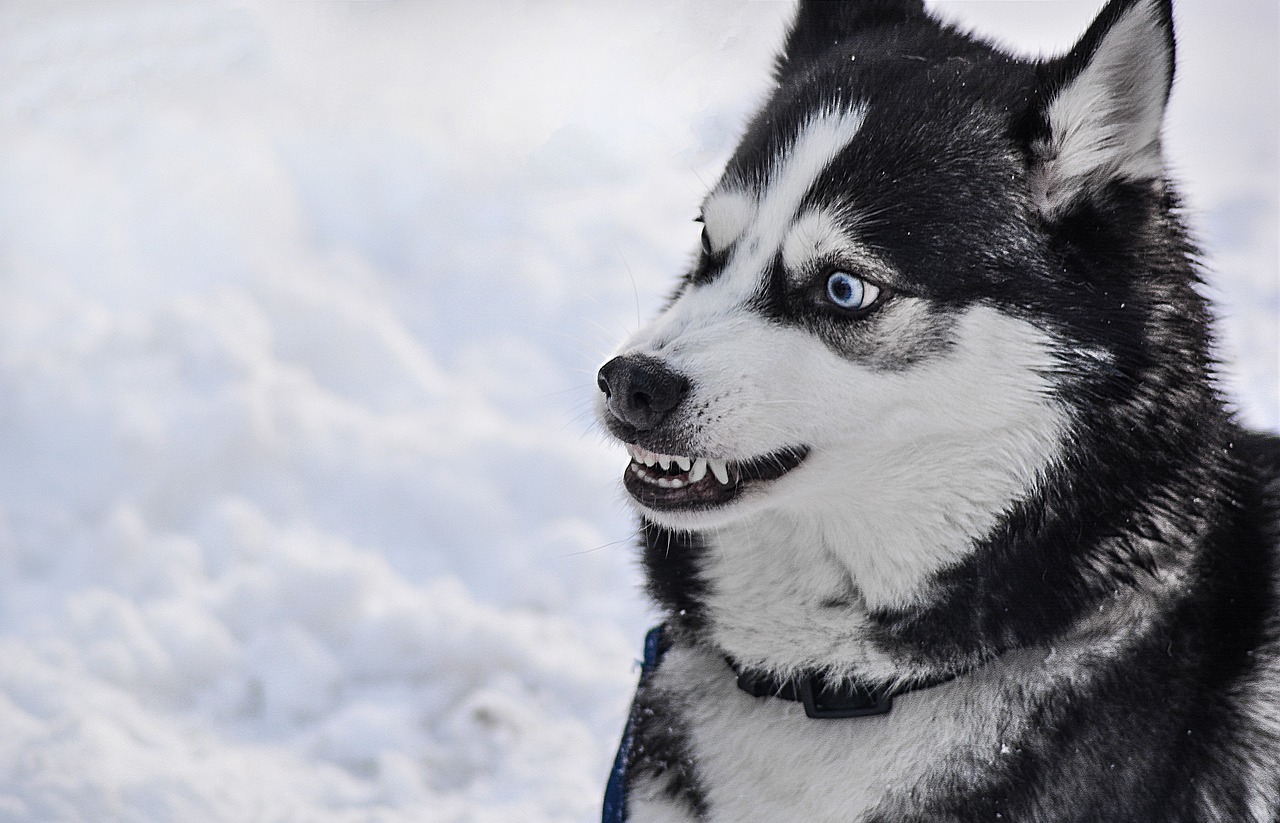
(760, 219)
(649, 805)
(1259, 697)
(1263, 760)
(761, 759)
(821, 139)
(910, 462)
(1105, 124)
(906, 468)
(710, 324)
(726, 215)
(815, 235)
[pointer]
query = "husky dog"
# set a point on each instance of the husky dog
(938, 496)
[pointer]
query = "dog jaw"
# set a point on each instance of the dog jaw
(902, 470)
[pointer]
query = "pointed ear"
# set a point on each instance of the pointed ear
(820, 24)
(1102, 106)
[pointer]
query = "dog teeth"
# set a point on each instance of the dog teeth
(696, 467)
(642, 455)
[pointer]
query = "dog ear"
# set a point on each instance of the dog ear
(1102, 106)
(821, 24)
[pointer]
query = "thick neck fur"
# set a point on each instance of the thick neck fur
(773, 593)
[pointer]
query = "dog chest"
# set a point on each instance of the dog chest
(762, 759)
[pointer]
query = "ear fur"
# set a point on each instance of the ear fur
(1104, 105)
(820, 24)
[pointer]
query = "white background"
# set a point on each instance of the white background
(303, 514)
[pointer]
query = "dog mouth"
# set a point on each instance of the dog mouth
(666, 482)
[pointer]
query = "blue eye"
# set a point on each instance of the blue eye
(849, 292)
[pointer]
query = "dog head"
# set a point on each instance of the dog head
(925, 259)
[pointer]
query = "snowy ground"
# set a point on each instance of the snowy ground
(302, 513)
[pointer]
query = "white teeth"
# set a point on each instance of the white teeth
(697, 467)
(663, 482)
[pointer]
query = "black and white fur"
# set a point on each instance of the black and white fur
(1006, 471)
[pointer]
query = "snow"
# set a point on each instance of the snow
(303, 515)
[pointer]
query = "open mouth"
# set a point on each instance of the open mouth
(667, 482)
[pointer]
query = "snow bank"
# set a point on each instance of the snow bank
(302, 512)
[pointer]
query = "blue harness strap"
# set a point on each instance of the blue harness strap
(615, 793)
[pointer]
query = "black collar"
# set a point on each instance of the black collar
(824, 698)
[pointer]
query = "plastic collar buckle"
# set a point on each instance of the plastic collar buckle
(825, 703)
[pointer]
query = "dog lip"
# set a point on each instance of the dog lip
(693, 483)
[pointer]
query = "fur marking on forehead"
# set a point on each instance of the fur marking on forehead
(735, 207)
(815, 234)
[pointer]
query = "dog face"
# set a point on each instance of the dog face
(892, 307)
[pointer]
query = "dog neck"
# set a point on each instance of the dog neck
(771, 594)
(777, 592)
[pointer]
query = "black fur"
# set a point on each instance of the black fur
(672, 562)
(660, 746)
(1158, 482)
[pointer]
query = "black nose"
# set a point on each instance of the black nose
(640, 390)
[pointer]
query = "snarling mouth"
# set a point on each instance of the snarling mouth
(667, 483)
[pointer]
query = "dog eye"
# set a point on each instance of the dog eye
(706, 238)
(849, 292)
